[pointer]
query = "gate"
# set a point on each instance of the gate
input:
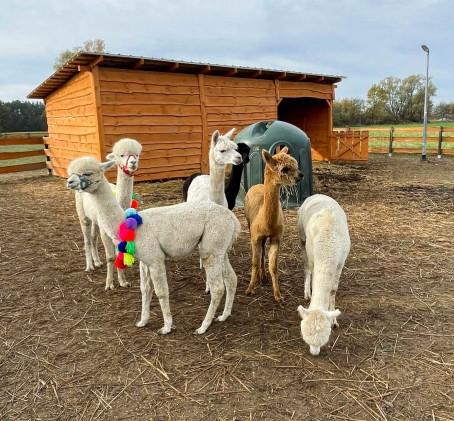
(351, 145)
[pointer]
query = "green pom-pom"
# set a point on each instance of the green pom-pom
(128, 259)
(130, 247)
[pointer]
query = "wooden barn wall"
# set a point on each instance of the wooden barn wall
(72, 123)
(160, 110)
(238, 102)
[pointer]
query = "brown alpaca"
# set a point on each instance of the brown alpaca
(264, 215)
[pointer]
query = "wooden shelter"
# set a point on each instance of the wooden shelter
(173, 107)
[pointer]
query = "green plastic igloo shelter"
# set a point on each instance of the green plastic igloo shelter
(272, 135)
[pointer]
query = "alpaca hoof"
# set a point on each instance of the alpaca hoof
(222, 317)
(98, 265)
(335, 325)
(199, 331)
(109, 286)
(142, 323)
(250, 291)
(89, 269)
(125, 284)
(279, 299)
(164, 330)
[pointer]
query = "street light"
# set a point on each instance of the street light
(424, 130)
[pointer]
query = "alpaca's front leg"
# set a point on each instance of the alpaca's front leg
(110, 258)
(86, 225)
(213, 268)
(256, 261)
(273, 259)
(146, 289)
(332, 305)
(158, 275)
(230, 282)
(307, 271)
(262, 271)
(94, 236)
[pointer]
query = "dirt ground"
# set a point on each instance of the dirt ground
(70, 350)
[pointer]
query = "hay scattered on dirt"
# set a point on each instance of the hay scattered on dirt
(70, 351)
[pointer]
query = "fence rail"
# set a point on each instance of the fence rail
(440, 140)
(22, 151)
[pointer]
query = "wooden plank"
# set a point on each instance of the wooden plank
(147, 88)
(146, 77)
(147, 99)
(239, 82)
(121, 110)
(21, 141)
(22, 167)
(99, 121)
(19, 155)
(240, 101)
(131, 131)
(152, 120)
(239, 91)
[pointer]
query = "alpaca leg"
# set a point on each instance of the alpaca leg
(158, 275)
(262, 273)
(272, 257)
(146, 289)
(230, 282)
(122, 278)
(256, 261)
(110, 258)
(86, 225)
(213, 268)
(94, 235)
(332, 305)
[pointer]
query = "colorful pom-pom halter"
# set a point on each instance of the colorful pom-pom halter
(126, 232)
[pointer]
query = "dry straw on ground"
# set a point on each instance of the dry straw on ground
(70, 350)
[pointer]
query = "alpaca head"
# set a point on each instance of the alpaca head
(223, 151)
(244, 151)
(126, 153)
(85, 174)
(316, 327)
(282, 168)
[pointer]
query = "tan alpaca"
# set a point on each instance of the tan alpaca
(264, 215)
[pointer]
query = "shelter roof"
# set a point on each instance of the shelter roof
(84, 60)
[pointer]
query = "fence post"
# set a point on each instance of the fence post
(440, 140)
(391, 139)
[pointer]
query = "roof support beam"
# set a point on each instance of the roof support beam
(301, 77)
(281, 75)
(231, 72)
(138, 63)
(204, 70)
(173, 67)
(257, 73)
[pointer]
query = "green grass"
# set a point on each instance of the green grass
(21, 148)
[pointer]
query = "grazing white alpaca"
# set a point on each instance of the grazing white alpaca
(125, 153)
(169, 231)
(323, 231)
(223, 151)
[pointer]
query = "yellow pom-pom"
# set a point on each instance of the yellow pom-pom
(128, 259)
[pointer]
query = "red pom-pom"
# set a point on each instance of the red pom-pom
(134, 204)
(126, 234)
(119, 261)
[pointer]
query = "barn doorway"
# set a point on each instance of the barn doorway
(313, 116)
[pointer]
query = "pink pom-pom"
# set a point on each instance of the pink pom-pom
(126, 234)
(131, 224)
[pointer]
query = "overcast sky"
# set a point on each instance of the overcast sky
(363, 40)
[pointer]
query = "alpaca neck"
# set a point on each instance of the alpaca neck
(271, 203)
(217, 182)
(125, 185)
(321, 290)
(109, 213)
(233, 185)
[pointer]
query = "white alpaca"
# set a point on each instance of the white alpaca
(169, 231)
(125, 153)
(323, 231)
(223, 151)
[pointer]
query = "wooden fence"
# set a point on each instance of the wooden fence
(23, 151)
(440, 140)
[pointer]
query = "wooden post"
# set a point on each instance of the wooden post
(440, 140)
(391, 139)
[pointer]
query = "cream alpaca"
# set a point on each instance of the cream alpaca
(323, 231)
(223, 151)
(169, 231)
(125, 153)
(264, 215)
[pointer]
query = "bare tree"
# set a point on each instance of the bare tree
(92, 46)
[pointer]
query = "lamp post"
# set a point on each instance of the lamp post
(424, 130)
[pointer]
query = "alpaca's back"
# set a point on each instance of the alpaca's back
(200, 190)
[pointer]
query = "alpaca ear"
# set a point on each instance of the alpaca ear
(302, 311)
(215, 136)
(267, 157)
(284, 150)
(332, 314)
(110, 156)
(106, 165)
(230, 132)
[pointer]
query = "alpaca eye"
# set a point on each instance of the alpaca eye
(285, 170)
(223, 150)
(88, 174)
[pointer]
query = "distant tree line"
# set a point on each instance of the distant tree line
(22, 116)
(392, 101)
